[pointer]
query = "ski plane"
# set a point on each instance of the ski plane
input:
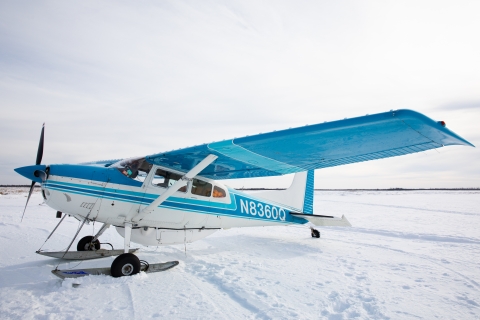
(179, 196)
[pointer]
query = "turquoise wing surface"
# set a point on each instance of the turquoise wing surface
(101, 163)
(318, 146)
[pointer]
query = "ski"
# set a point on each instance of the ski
(76, 273)
(83, 255)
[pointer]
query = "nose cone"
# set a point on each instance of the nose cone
(29, 172)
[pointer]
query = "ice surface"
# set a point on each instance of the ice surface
(409, 255)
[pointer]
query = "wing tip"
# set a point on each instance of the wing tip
(446, 137)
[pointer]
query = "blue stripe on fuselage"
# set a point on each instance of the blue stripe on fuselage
(232, 209)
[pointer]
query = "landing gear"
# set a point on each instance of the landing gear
(315, 233)
(86, 244)
(126, 264)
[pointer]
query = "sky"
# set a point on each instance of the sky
(117, 79)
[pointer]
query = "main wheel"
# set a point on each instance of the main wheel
(315, 233)
(126, 264)
(86, 244)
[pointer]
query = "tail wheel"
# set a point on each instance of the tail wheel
(86, 244)
(126, 264)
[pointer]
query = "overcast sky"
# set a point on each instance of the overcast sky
(114, 79)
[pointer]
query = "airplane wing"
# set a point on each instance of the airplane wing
(318, 146)
(101, 163)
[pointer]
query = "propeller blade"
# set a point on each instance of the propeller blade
(28, 198)
(40, 147)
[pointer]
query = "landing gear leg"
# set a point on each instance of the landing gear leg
(101, 231)
(128, 234)
(315, 233)
(126, 264)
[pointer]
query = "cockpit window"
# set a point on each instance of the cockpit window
(219, 192)
(134, 168)
(166, 179)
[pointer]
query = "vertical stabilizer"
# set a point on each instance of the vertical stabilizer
(299, 196)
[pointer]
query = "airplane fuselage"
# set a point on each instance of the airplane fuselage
(108, 196)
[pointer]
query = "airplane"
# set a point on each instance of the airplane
(178, 196)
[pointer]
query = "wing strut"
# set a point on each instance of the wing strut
(175, 187)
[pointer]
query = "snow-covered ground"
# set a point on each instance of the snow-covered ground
(409, 255)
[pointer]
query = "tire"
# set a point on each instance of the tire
(86, 244)
(315, 233)
(126, 264)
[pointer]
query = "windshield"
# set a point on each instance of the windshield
(134, 168)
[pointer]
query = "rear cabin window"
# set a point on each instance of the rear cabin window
(165, 179)
(219, 192)
(201, 188)
(134, 168)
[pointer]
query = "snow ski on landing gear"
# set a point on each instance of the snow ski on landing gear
(76, 273)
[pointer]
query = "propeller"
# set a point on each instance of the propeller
(37, 162)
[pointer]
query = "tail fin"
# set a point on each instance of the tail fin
(299, 196)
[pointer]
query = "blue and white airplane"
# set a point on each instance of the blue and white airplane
(178, 196)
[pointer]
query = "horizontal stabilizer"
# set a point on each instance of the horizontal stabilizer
(324, 221)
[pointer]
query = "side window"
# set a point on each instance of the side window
(165, 179)
(219, 192)
(201, 188)
(159, 179)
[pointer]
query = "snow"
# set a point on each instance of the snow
(409, 255)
